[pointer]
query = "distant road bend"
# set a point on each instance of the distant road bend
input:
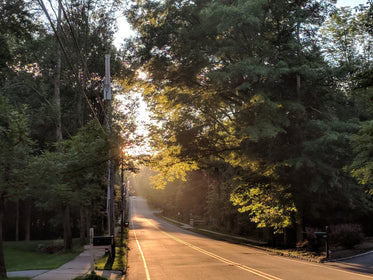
(162, 251)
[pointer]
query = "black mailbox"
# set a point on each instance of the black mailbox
(103, 240)
(324, 235)
(321, 234)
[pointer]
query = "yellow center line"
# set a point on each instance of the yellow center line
(224, 260)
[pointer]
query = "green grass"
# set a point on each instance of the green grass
(119, 262)
(26, 256)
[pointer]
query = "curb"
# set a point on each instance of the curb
(352, 257)
(26, 273)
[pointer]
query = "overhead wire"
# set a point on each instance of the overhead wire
(41, 3)
(77, 46)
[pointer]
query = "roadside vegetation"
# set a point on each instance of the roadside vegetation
(119, 262)
(265, 117)
(92, 276)
(54, 140)
(32, 255)
(262, 119)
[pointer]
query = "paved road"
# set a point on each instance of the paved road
(361, 264)
(159, 251)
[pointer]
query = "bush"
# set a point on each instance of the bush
(346, 235)
(50, 248)
(312, 242)
(92, 276)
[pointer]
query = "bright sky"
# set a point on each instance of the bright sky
(124, 31)
(351, 3)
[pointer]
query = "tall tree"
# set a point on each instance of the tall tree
(14, 152)
(244, 81)
(361, 167)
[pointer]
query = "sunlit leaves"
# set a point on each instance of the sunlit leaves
(170, 167)
(270, 205)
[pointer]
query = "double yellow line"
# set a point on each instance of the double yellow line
(219, 258)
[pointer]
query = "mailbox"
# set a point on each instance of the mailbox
(103, 240)
(321, 234)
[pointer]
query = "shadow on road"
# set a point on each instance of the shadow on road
(360, 264)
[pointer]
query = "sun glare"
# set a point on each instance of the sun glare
(142, 75)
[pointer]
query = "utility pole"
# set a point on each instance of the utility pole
(110, 187)
(122, 193)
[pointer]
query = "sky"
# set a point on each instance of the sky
(351, 3)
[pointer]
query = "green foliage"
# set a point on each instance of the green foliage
(270, 206)
(346, 235)
(92, 276)
(362, 166)
(16, 25)
(15, 148)
(119, 262)
(246, 83)
(75, 170)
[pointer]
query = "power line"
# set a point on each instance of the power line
(85, 67)
(41, 3)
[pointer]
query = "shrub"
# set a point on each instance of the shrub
(346, 235)
(49, 248)
(92, 276)
(312, 243)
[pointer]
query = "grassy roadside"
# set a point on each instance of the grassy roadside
(31, 255)
(119, 262)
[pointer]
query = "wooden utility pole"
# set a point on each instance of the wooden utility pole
(110, 187)
(122, 194)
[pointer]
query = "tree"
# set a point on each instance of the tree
(15, 25)
(244, 81)
(73, 176)
(346, 43)
(14, 153)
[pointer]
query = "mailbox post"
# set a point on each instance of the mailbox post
(104, 241)
(324, 235)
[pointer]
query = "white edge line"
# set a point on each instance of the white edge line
(142, 254)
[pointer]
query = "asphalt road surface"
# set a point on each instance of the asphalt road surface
(162, 251)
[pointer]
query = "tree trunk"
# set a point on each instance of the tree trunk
(2, 260)
(82, 227)
(88, 219)
(286, 237)
(57, 78)
(17, 220)
(298, 88)
(27, 220)
(299, 231)
(67, 236)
